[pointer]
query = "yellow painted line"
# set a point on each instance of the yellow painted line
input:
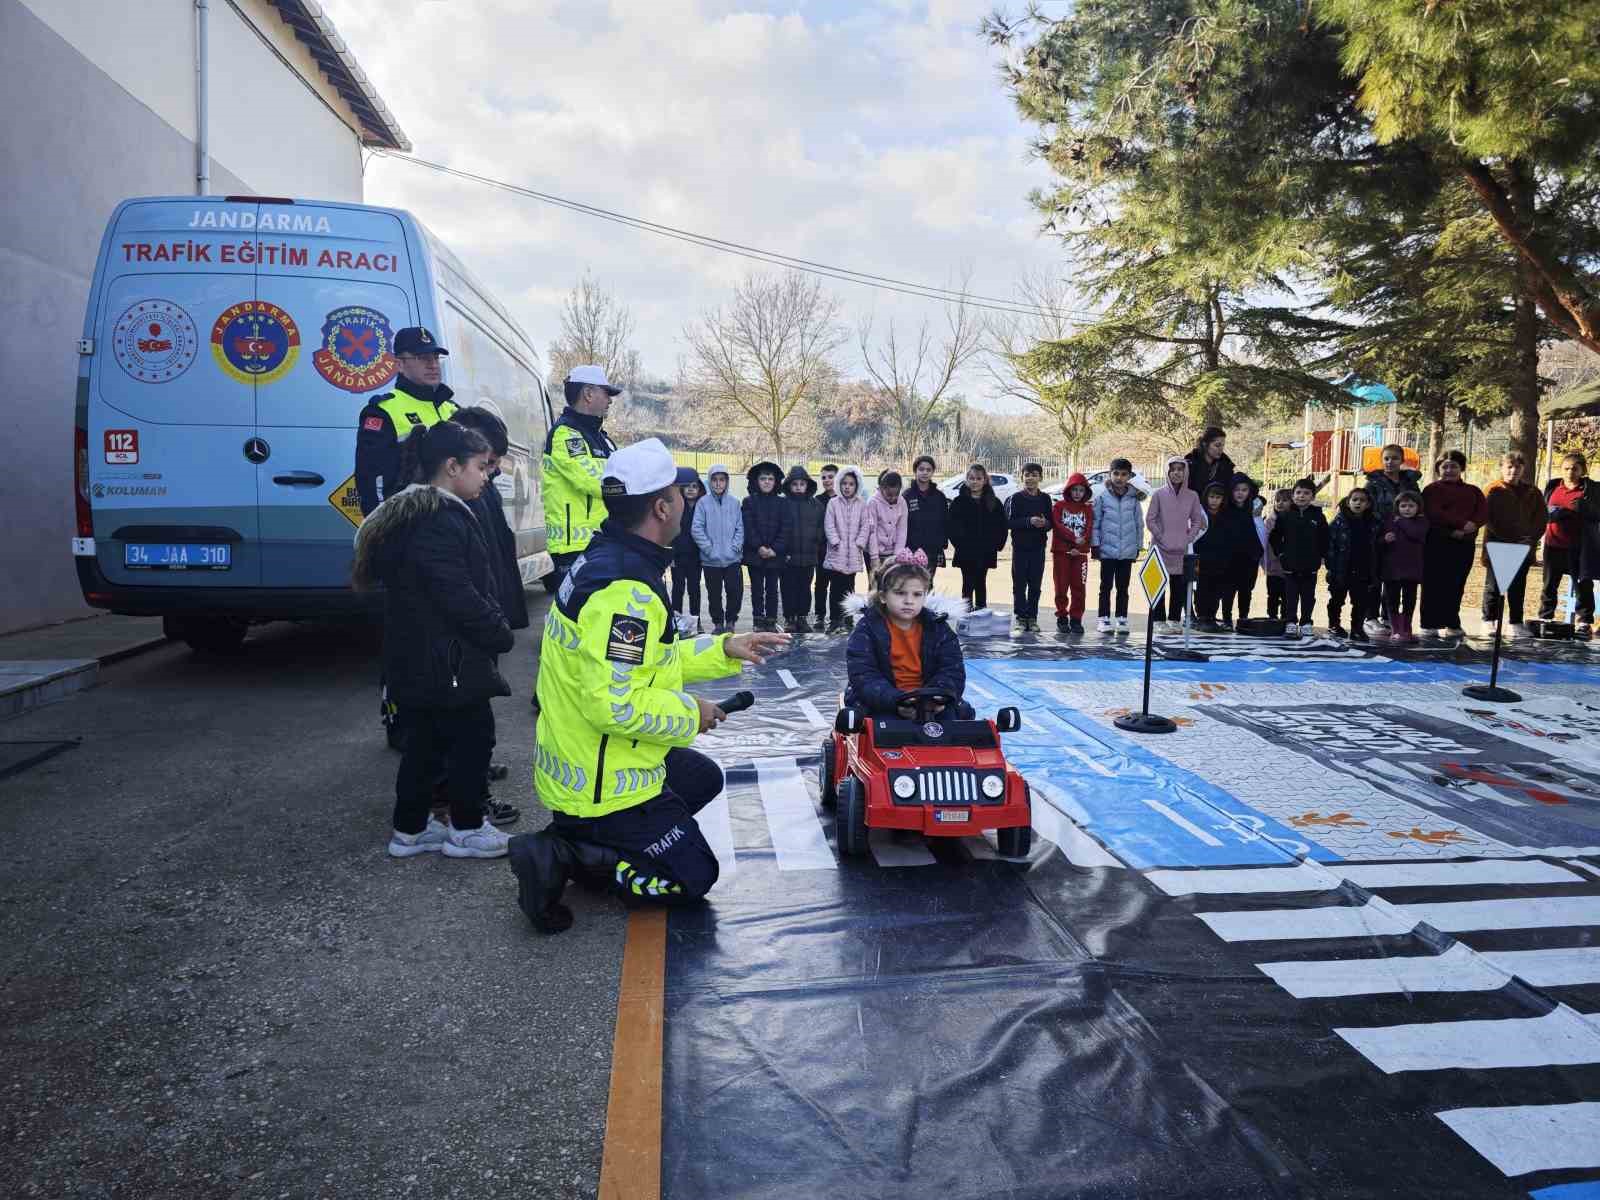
(630, 1167)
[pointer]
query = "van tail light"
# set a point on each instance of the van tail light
(80, 494)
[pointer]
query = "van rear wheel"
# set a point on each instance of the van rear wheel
(207, 635)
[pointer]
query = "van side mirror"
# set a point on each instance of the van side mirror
(848, 721)
(1008, 720)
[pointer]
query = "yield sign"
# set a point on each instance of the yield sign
(1153, 577)
(1505, 560)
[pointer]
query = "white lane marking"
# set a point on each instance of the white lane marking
(1546, 912)
(716, 823)
(1549, 968)
(789, 681)
(1054, 825)
(797, 834)
(812, 714)
(1288, 924)
(891, 850)
(1531, 1137)
(1561, 1037)
(1318, 877)
(1378, 916)
(1458, 969)
(980, 690)
(1183, 822)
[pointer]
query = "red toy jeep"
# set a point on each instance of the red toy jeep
(942, 777)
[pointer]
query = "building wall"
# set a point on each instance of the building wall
(100, 114)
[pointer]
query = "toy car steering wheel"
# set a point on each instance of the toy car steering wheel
(925, 699)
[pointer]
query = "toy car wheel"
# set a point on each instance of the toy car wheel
(850, 818)
(1015, 842)
(825, 780)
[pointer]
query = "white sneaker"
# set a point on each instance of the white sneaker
(1122, 624)
(483, 842)
(1291, 631)
(1103, 625)
(1374, 628)
(408, 845)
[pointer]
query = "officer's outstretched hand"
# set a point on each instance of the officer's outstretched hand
(710, 715)
(755, 647)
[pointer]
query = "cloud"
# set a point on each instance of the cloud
(875, 136)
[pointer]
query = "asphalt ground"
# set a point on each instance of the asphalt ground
(216, 983)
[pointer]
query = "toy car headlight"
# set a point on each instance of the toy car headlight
(994, 785)
(905, 786)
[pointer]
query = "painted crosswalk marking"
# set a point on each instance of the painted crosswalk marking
(797, 835)
(1561, 1037)
(1531, 1137)
(789, 681)
(716, 823)
(813, 715)
(1316, 877)
(1377, 917)
(1458, 969)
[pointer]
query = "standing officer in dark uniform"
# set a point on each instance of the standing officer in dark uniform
(575, 454)
(418, 401)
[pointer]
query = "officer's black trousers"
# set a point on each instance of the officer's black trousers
(663, 855)
(460, 740)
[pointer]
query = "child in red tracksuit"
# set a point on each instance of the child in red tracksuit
(1071, 527)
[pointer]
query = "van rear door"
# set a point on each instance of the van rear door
(344, 277)
(170, 424)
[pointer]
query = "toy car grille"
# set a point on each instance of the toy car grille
(945, 786)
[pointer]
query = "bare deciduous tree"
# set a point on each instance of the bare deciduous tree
(762, 360)
(1028, 360)
(596, 328)
(915, 375)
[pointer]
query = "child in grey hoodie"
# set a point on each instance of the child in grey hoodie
(718, 530)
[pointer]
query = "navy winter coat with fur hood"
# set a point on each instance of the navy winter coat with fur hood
(871, 674)
(443, 628)
(803, 542)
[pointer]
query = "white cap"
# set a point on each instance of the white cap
(642, 468)
(596, 376)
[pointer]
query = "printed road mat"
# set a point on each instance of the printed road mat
(1338, 935)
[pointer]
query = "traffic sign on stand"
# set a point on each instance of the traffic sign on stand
(1153, 579)
(1505, 560)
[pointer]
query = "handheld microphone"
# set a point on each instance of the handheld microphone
(738, 702)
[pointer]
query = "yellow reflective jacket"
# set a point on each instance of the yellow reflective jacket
(575, 454)
(611, 674)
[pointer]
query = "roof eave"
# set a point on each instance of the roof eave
(314, 28)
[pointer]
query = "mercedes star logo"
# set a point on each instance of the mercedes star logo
(257, 450)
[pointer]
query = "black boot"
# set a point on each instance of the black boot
(542, 862)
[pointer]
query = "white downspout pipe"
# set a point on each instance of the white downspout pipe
(202, 65)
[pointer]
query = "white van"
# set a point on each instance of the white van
(228, 347)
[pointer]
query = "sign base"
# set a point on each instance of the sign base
(1145, 723)
(1491, 693)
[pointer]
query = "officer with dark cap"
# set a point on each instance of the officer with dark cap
(418, 401)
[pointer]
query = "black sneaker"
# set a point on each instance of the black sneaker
(1077, 625)
(500, 813)
(1063, 621)
(1338, 631)
(801, 625)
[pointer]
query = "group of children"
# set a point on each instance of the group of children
(1389, 540)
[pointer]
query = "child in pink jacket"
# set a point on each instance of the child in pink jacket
(886, 523)
(844, 526)
(1174, 520)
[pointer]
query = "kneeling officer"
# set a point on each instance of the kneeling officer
(613, 759)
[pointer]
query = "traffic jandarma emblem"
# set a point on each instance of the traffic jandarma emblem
(356, 353)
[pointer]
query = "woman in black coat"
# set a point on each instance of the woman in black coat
(443, 631)
(1209, 462)
(977, 527)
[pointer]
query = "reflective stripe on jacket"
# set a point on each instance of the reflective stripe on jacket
(575, 454)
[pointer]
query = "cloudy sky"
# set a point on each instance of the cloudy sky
(874, 135)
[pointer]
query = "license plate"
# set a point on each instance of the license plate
(177, 556)
(952, 816)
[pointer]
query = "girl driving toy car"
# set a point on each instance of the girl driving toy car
(904, 641)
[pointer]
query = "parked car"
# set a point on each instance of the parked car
(1097, 484)
(1003, 484)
